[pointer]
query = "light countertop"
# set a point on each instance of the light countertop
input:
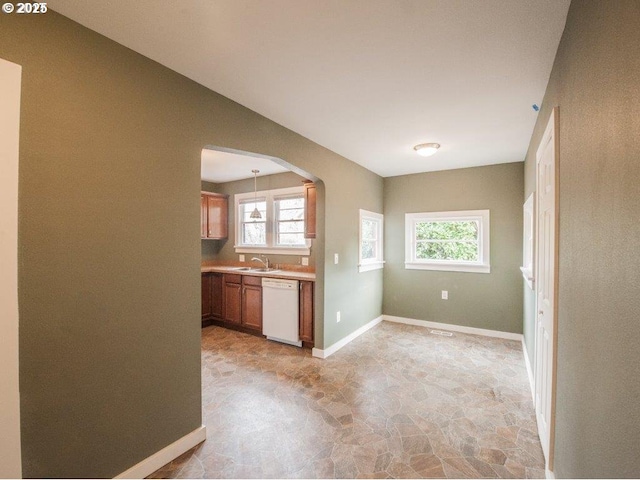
(284, 274)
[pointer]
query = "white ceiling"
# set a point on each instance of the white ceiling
(220, 167)
(368, 79)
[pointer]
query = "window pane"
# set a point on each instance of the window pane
(292, 214)
(291, 239)
(247, 208)
(284, 203)
(447, 230)
(369, 229)
(291, 227)
(368, 250)
(460, 251)
(254, 233)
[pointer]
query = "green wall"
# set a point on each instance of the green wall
(490, 301)
(595, 83)
(109, 274)
(223, 250)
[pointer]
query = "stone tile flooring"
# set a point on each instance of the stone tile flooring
(397, 402)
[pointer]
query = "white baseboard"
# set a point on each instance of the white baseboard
(454, 328)
(529, 369)
(171, 452)
(316, 352)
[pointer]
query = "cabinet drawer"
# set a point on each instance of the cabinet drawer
(232, 278)
(249, 280)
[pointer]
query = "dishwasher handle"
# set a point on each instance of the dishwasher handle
(279, 283)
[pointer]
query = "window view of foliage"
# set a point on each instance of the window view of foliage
(447, 240)
(290, 222)
(254, 232)
(369, 239)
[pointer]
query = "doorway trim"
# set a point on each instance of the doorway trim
(550, 137)
(10, 449)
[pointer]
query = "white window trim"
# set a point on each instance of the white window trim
(269, 248)
(482, 266)
(527, 269)
(378, 262)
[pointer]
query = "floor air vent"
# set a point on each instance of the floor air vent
(441, 333)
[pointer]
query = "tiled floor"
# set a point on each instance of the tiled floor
(396, 402)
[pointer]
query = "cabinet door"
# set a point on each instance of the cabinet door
(203, 216)
(217, 216)
(309, 210)
(216, 296)
(306, 311)
(252, 307)
(232, 302)
(206, 295)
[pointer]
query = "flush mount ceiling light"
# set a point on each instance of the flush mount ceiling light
(255, 215)
(426, 149)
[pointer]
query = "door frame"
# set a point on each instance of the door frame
(550, 130)
(10, 449)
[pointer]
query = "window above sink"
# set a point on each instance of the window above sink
(280, 230)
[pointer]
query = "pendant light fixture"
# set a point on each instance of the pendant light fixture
(255, 215)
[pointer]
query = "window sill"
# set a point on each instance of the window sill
(448, 267)
(367, 267)
(302, 251)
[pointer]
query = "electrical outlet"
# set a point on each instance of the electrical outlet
(445, 295)
(336, 258)
(338, 317)
(305, 261)
(241, 258)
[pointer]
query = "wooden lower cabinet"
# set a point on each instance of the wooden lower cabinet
(235, 301)
(206, 296)
(306, 313)
(252, 302)
(211, 297)
(216, 296)
(232, 299)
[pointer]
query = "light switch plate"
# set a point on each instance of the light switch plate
(445, 295)
(336, 258)
(305, 261)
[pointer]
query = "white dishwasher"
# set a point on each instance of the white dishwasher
(280, 310)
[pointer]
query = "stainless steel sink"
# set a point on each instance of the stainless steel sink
(264, 270)
(242, 269)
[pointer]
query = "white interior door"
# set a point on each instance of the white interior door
(546, 285)
(10, 456)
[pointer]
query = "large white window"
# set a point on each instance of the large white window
(451, 241)
(281, 226)
(371, 231)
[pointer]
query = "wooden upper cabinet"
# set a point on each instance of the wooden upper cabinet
(203, 216)
(214, 210)
(309, 210)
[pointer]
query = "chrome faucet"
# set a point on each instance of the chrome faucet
(266, 264)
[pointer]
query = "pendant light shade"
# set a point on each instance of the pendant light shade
(255, 215)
